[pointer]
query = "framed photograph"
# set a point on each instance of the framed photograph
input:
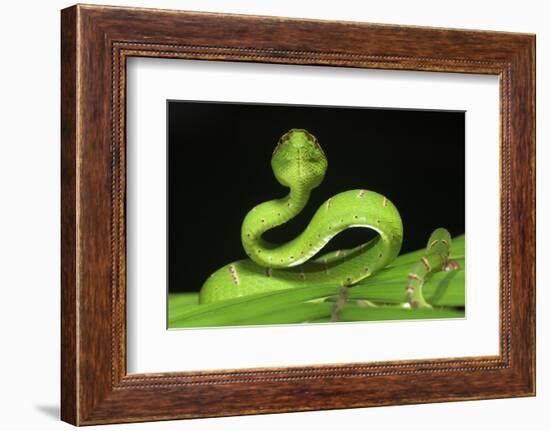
(265, 214)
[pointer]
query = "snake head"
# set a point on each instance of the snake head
(298, 160)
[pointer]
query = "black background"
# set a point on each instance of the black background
(219, 168)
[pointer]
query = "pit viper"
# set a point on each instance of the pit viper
(299, 163)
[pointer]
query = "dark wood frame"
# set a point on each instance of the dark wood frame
(95, 43)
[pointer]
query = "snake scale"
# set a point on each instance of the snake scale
(299, 163)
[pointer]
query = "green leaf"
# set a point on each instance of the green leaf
(355, 313)
(443, 290)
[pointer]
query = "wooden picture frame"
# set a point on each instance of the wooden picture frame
(95, 43)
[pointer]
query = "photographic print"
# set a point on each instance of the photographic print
(292, 214)
(261, 212)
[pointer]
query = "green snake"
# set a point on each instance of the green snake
(299, 163)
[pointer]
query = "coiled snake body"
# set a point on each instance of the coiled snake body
(299, 163)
